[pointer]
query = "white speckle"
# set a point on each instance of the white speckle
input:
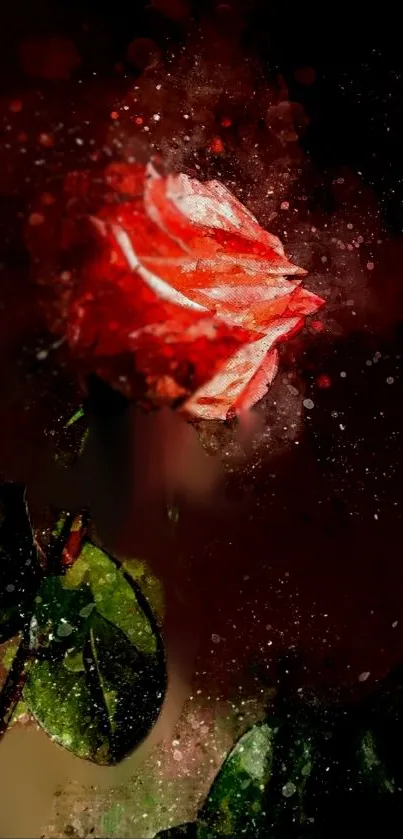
(307, 403)
(390, 380)
(364, 676)
(343, 374)
(394, 624)
(79, 141)
(215, 638)
(156, 117)
(10, 587)
(41, 355)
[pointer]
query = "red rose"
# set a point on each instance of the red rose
(181, 277)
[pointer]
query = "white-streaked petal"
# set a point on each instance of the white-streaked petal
(214, 399)
(162, 289)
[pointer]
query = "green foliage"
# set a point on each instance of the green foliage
(310, 771)
(100, 686)
(89, 663)
(235, 804)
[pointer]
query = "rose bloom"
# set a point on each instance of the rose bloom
(175, 285)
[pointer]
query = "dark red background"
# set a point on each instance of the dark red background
(308, 550)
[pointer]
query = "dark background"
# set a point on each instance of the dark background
(307, 553)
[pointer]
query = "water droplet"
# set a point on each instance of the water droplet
(64, 629)
(86, 610)
(289, 789)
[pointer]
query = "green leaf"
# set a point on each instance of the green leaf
(150, 585)
(100, 678)
(19, 566)
(79, 414)
(113, 594)
(61, 618)
(71, 438)
(372, 769)
(235, 803)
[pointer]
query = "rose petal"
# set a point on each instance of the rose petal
(161, 288)
(212, 205)
(260, 316)
(231, 389)
(245, 378)
(259, 384)
(304, 302)
(206, 218)
(233, 296)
